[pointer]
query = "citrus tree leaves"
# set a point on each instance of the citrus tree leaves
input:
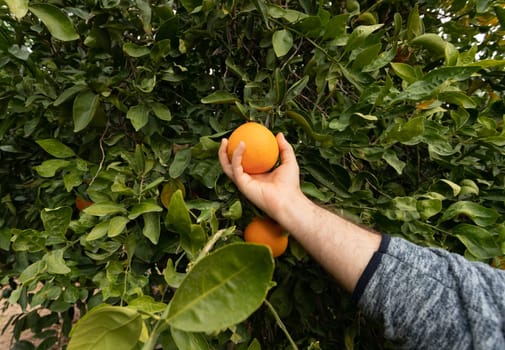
(85, 106)
(282, 41)
(395, 115)
(479, 214)
(106, 327)
(58, 24)
(222, 289)
(19, 8)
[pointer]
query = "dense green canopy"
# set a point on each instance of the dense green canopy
(395, 110)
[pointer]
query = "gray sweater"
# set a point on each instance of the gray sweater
(428, 298)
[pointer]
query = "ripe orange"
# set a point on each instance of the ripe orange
(268, 232)
(261, 151)
(81, 203)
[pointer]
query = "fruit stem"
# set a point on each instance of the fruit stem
(281, 324)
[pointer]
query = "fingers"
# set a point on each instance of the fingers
(233, 169)
(288, 156)
(236, 159)
(223, 158)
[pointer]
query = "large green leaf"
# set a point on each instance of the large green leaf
(222, 289)
(480, 242)
(58, 24)
(479, 214)
(85, 106)
(56, 148)
(106, 327)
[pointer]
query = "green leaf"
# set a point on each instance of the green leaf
(178, 215)
(171, 276)
(98, 231)
(49, 167)
(117, 225)
(58, 24)
(220, 97)
(432, 81)
(190, 5)
(296, 89)
(254, 345)
(68, 93)
(181, 161)
(479, 214)
(161, 111)
(147, 304)
(55, 262)
(134, 50)
(32, 271)
(392, 159)
(480, 242)
(111, 327)
(55, 148)
(405, 71)
(500, 13)
(56, 221)
(359, 35)
(19, 8)
(429, 207)
(282, 42)
(415, 26)
(457, 98)
(146, 206)
(138, 115)
(222, 289)
(188, 340)
(337, 27)
(85, 106)
(403, 209)
(409, 132)
(234, 212)
(105, 208)
(151, 228)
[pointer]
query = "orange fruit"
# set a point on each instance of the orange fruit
(81, 203)
(268, 232)
(261, 151)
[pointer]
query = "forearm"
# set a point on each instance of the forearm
(341, 247)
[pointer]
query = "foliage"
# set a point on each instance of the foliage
(395, 110)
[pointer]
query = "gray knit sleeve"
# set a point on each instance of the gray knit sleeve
(429, 298)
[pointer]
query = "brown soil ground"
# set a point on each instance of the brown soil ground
(7, 312)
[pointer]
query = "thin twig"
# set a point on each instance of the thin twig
(281, 324)
(102, 150)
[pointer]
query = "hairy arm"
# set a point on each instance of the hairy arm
(341, 247)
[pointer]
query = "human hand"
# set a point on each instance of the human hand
(272, 191)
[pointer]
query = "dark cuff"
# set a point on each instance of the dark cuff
(370, 269)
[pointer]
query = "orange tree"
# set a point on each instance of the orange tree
(395, 110)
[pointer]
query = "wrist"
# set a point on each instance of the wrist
(293, 209)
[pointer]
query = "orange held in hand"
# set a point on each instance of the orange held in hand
(268, 232)
(261, 151)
